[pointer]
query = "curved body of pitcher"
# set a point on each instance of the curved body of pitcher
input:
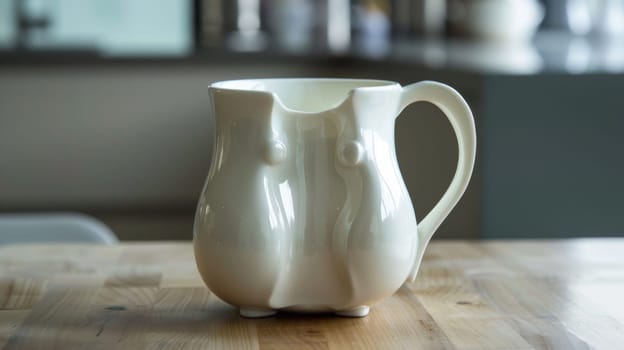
(305, 209)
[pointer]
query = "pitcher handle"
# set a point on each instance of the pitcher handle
(457, 111)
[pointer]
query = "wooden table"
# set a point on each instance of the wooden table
(494, 295)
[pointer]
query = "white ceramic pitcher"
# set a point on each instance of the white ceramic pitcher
(304, 208)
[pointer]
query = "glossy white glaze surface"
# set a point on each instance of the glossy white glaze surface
(304, 207)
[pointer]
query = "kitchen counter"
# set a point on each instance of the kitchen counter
(555, 294)
(550, 52)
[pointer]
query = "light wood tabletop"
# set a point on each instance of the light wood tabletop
(468, 295)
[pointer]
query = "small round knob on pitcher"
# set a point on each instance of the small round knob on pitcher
(351, 153)
(275, 152)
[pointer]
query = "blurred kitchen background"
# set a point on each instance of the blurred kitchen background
(104, 107)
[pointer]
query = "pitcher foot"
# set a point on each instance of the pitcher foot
(249, 312)
(359, 311)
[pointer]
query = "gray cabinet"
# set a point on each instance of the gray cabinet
(130, 144)
(552, 156)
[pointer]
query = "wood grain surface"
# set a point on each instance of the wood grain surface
(468, 295)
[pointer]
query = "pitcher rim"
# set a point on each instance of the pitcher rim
(378, 82)
(358, 85)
